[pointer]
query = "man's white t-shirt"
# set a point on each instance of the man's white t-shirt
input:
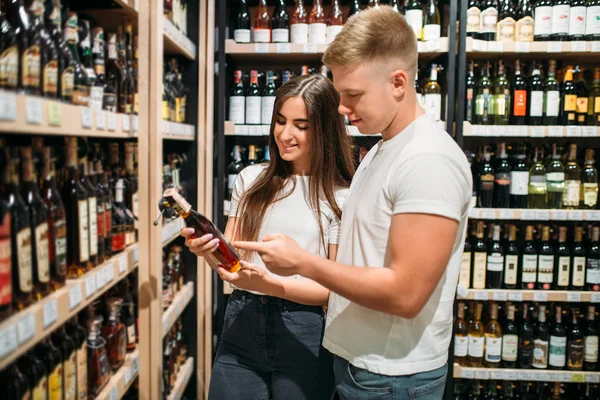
(420, 170)
(292, 215)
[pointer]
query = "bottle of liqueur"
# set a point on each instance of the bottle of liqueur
(486, 181)
(99, 371)
(543, 20)
(98, 50)
(483, 100)
(120, 221)
(506, 21)
(511, 259)
(9, 53)
(489, 20)
(555, 178)
(575, 345)
(414, 16)
(569, 100)
(110, 100)
(524, 28)
(536, 197)
(225, 255)
(572, 180)
(81, 82)
(560, 19)
(92, 207)
(38, 219)
(268, 99)
(519, 178)
(551, 96)
(526, 339)
(78, 334)
(64, 342)
(85, 47)
(30, 47)
(519, 95)
(253, 100)
(280, 23)
(502, 178)
(52, 358)
(35, 372)
(493, 339)
(473, 18)
(48, 52)
(317, 23)
(76, 203)
(262, 23)
(433, 95)
(64, 68)
(542, 336)
(471, 86)
(335, 21)
(590, 356)
(115, 335)
(536, 101)
(563, 260)
(592, 21)
(545, 261)
(502, 94)
(558, 343)
(495, 261)
(529, 261)
(432, 29)
(589, 185)
(579, 260)
(476, 334)
(479, 257)
(464, 279)
(299, 24)
(510, 339)
(592, 270)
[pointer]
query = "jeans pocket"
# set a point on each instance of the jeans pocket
(301, 315)
(431, 388)
(367, 381)
(235, 306)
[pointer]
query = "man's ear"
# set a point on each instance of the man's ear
(400, 81)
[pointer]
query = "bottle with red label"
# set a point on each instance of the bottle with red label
(519, 111)
(5, 251)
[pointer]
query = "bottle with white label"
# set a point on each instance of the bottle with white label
(551, 96)
(495, 260)
(578, 261)
(536, 95)
(562, 260)
(577, 20)
(280, 23)
(488, 20)
(253, 100)
(555, 179)
(561, 10)
(540, 343)
(592, 270)
(557, 358)
(479, 257)
(262, 23)
(241, 33)
(413, 12)
(572, 192)
(299, 24)
(545, 277)
(529, 261)
(432, 94)
(431, 22)
(589, 182)
(464, 277)
(473, 18)
(493, 339)
(510, 339)
(335, 22)
(92, 211)
(476, 335)
(592, 21)
(590, 334)
(519, 178)
(237, 100)
(511, 259)
(317, 24)
(461, 338)
(543, 20)
(268, 99)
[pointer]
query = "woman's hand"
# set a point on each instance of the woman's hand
(201, 246)
(250, 277)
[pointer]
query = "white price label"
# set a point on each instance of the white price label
(127, 376)
(135, 123)
(34, 112)
(8, 340)
(136, 254)
(100, 119)
(111, 121)
(555, 131)
(122, 264)
(90, 285)
(498, 375)
(125, 123)
(592, 215)
(592, 378)
(499, 296)
(462, 292)
(495, 47)
(479, 45)
(474, 213)
(554, 47)
(527, 215)
(310, 48)
(26, 328)
(524, 375)
(564, 377)
(575, 215)
(113, 394)
(282, 48)
(537, 131)
(8, 106)
(86, 118)
(596, 47)
(541, 215)
(511, 375)
(254, 130)
(136, 366)
(75, 296)
(50, 313)
(433, 45)
(574, 297)
(467, 373)
(481, 295)
(573, 131)
(538, 376)
(507, 213)
(521, 47)
(589, 131)
(499, 131)
(488, 213)
(100, 279)
(559, 215)
(482, 375)
(109, 273)
(520, 131)
(577, 47)
(515, 295)
(261, 48)
(596, 297)
(540, 296)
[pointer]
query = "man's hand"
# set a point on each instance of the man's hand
(250, 277)
(280, 253)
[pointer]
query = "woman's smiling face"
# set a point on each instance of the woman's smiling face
(292, 134)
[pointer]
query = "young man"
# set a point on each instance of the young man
(404, 221)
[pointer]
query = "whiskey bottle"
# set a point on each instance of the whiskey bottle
(35, 372)
(590, 357)
(78, 333)
(48, 52)
(510, 339)
(579, 261)
(128, 68)
(6, 291)
(575, 344)
(99, 371)
(52, 358)
(562, 260)
(225, 255)
(92, 207)
(545, 261)
(125, 86)
(542, 336)
(102, 188)
(558, 342)
(128, 316)
(461, 339)
(113, 76)
(589, 185)
(81, 83)
(592, 270)
(66, 67)
(132, 202)
(476, 339)
(29, 47)
(9, 53)
(178, 265)
(114, 334)
(64, 342)
(98, 62)
(511, 259)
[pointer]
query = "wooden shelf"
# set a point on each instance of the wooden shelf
(35, 115)
(534, 214)
(178, 131)
(175, 42)
(554, 49)
(22, 331)
(183, 378)
(543, 375)
(122, 379)
(180, 302)
(232, 129)
(567, 296)
(171, 229)
(530, 131)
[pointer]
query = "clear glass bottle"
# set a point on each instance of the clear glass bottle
(589, 184)
(537, 189)
(572, 192)
(493, 339)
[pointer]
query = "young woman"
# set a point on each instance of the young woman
(271, 341)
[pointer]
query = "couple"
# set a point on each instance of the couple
(386, 270)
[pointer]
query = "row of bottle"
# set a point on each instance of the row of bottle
(523, 390)
(79, 358)
(174, 97)
(564, 343)
(61, 222)
(529, 20)
(173, 275)
(237, 163)
(531, 100)
(554, 182)
(176, 12)
(174, 356)
(41, 57)
(173, 163)
(542, 257)
(320, 27)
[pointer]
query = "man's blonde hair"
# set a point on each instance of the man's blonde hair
(375, 34)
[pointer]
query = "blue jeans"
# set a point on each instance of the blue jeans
(353, 383)
(271, 349)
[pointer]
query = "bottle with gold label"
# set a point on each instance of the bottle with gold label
(81, 82)
(501, 96)
(35, 371)
(568, 99)
(583, 95)
(524, 26)
(53, 360)
(575, 344)
(9, 53)
(64, 342)
(65, 80)
(49, 52)
(30, 47)
(461, 338)
(506, 22)
(594, 102)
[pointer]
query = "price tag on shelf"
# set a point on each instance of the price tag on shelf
(578, 47)
(521, 47)
(100, 119)
(482, 374)
(125, 123)
(596, 47)
(254, 130)
(551, 377)
(467, 373)
(261, 47)
(527, 215)
(433, 45)
(282, 48)
(109, 273)
(136, 366)
(559, 215)
(592, 215)
(499, 295)
(578, 378)
(488, 213)
(507, 213)
(54, 114)
(136, 254)
(481, 295)
(539, 376)
(537, 131)
(474, 213)
(100, 279)
(90, 285)
(461, 292)
(50, 313)
(596, 297)
(127, 376)
(34, 113)
(113, 394)
(122, 264)
(573, 131)
(26, 328)
(135, 123)
(510, 375)
(86, 118)
(575, 215)
(515, 295)
(521, 131)
(540, 296)
(111, 121)
(524, 375)
(564, 377)
(479, 45)
(574, 297)
(554, 47)
(592, 378)
(310, 48)
(495, 47)
(555, 131)
(589, 131)
(8, 340)
(75, 296)
(8, 106)
(542, 215)
(498, 375)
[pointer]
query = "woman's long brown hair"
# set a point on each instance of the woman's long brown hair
(331, 164)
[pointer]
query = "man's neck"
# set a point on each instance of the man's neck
(407, 113)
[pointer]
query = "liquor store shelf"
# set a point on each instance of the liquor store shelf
(555, 49)
(178, 131)
(534, 214)
(175, 42)
(473, 130)
(570, 296)
(232, 129)
(171, 229)
(22, 331)
(183, 378)
(180, 302)
(122, 379)
(505, 374)
(35, 115)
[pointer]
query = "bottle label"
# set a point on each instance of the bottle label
(93, 215)
(540, 353)
(81, 95)
(281, 35)
(231, 181)
(571, 102)
(131, 334)
(67, 86)
(31, 67)
(24, 255)
(506, 29)
(117, 239)
(501, 101)
(239, 35)
(578, 272)
(51, 78)
(524, 29)
(473, 20)
(433, 105)
(84, 240)
(556, 178)
(100, 220)
(577, 21)
(476, 345)
(42, 247)
(597, 103)
(553, 103)
(571, 193)
(469, 104)
(592, 271)
(299, 33)
(546, 269)
(592, 22)
(267, 105)
(5, 263)
(9, 68)
(519, 180)
(432, 32)
(495, 262)
(590, 194)
(108, 221)
(70, 377)
(558, 351)
(464, 279)
(262, 35)
(317, 33)
(536, 107)
(479, 269)
(332, 32)
(109, 102)
(560, 19)
(40, 392)
(415, 21)
(564, 270)
(529, 273)
(253, 111)
(482, 103)
(493, 349)
(461, 346)
(489, 20)
(96, 97)
(520, 103)
(237, 109)
(55, 383)
(510, 270)
(510, 345)
(82, 372)
(543, 20)
(135, 205)
(591, 349)
(575, 360)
